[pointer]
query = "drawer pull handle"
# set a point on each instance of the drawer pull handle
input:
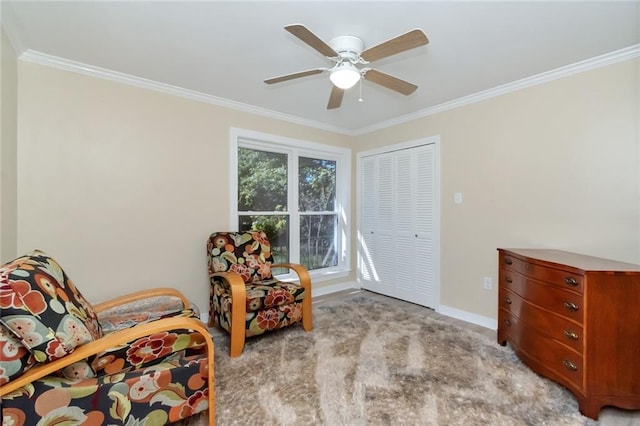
(508, 322)
(570, 366)
(508, 301)
(508, 279)
(571, 281)
(571, 306)
(571, 334)
(508, 261)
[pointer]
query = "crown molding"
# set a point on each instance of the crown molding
(621, 55)
(93, 71)
(610, 58)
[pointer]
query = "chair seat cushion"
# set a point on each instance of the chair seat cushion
(258, 322)
(145, 310)
(271, 305)
(271, 294)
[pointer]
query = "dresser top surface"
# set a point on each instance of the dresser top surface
(575, 260)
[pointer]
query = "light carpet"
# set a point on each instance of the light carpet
(371, 363)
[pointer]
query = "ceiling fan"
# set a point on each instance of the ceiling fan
(347, 52)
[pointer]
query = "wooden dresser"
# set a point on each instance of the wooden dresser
(576, 320)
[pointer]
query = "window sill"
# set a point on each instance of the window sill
(318, 276)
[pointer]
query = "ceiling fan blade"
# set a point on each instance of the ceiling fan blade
(335, 100)
(311, 39)
(390, 82)
(398, 44)
(282, 78)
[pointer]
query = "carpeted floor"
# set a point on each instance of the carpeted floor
(372, 363)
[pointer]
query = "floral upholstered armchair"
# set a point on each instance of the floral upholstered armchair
(246, 299)
(142, 359)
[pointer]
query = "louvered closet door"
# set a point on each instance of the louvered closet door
(375, 270)
(366, 234)
(384, 244)
(425, 223)
(403, 225)
(397, 224)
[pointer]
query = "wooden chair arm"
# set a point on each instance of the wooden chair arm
(109, 341)
(138, 295)
(301, 271)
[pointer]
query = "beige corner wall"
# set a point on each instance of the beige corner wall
(554, 166)
(123, 185)
(8, 151)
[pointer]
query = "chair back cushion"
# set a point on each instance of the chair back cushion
(43, 309)
(247, 253)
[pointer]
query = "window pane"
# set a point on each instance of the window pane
(262, 180)
(317, 184)
(318, 241)
(277, 229)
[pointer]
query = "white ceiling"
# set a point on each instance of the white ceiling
(226, 49)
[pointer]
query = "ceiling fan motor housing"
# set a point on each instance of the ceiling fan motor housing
(348, 47)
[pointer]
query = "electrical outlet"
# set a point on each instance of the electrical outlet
(488, 283)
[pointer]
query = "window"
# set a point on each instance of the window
(298, 193)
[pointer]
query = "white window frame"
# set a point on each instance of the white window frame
(299, 148)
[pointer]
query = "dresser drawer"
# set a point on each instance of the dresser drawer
(513, 263)
(552, 276)
(511, 278)
(509, 327)
(555, 277)
(565, 363)
(557, 300)
(554, 326)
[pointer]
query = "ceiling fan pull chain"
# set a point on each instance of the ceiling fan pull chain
(360, 98)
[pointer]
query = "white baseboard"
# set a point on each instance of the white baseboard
(468, 317)
(322, 291)
(472, 318)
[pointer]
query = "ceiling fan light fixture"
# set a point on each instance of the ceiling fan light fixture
(345, 75)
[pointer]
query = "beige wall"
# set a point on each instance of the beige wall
(555, 165)
(8, 151)
(123, 185)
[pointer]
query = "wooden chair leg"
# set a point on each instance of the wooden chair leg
(237, 338)
(307, 319)
(211, 322)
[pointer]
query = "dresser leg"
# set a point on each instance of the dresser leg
(502, 340)
(590, 408)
